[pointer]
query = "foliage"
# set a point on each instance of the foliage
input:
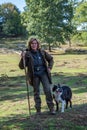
(10, 20)
(80, 21)
(49, 20)
(80, 15)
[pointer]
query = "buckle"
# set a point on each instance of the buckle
(38, 69)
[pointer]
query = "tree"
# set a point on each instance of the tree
(80, 21)
(50, 20)
(10, 20)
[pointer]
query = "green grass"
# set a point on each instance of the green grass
(68, 69)
(70, 63)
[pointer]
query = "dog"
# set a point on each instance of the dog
(62, 94)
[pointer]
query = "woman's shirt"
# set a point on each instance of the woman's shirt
(39, 67)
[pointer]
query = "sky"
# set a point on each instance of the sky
(20, 4)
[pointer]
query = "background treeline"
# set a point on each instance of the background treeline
(52, 21)
(10, 21)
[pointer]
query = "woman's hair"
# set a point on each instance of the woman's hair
(31, 41)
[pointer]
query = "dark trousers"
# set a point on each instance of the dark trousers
(47, 91)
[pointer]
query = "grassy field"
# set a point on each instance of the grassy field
(69, 69)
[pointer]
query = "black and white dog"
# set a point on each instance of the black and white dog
(62, 94)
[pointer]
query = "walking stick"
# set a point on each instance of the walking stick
(27, 84)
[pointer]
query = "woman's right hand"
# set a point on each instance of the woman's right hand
(23, 54)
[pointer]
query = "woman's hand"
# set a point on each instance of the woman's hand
(23, 54)
(49, 69)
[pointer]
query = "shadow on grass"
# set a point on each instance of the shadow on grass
(14, 88)
(72, 119)
(13, 97)
(78, 82)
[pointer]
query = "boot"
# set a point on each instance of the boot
(38, 112)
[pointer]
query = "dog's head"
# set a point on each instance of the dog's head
(57, 89)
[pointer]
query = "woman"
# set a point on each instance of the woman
(39, 64)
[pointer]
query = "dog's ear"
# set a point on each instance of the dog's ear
(59, 85)
(54, 88)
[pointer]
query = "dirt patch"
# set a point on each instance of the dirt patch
(11, 51)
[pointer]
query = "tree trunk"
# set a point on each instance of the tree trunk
(69, 41)
(49, 47)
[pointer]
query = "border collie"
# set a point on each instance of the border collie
(62, 94)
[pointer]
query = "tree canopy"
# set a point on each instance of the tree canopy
(50, 20)
(80, 21)
(10, 20)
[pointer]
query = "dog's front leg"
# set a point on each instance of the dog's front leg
(63, 106)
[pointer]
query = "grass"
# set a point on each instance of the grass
(12, 43)
(70, 69)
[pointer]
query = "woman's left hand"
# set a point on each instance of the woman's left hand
(49, 69)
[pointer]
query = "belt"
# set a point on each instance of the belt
(37, 68)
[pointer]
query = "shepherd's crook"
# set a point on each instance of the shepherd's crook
(27, 84)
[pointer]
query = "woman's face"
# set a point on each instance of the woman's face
(34, 45)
